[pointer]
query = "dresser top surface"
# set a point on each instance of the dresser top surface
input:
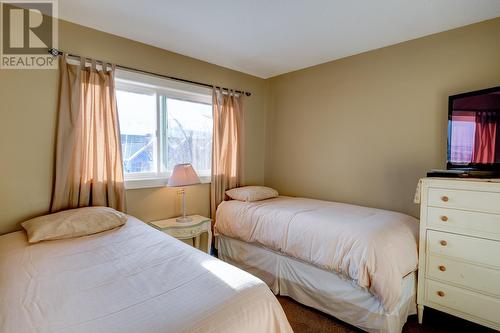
(472, 184)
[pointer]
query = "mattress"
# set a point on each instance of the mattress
(320, 289)
(373, 247)
(131, 279)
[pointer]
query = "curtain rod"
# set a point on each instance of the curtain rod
(56, 52)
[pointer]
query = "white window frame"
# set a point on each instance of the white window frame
(134, 81)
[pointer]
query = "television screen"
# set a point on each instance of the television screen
(474, 130)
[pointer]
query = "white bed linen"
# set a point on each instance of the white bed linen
(131, 279)
(320, 289)
(374, 247)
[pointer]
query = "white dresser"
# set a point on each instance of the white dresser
(459, 256)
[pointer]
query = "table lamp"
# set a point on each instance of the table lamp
(183, 175)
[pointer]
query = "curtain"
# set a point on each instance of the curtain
(227, 145)
(88, 166)
(485, 137)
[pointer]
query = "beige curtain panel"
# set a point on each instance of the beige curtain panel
(88, 170)
(227, 145)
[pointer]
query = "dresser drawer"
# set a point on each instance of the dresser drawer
(466, 200)
(465, 222)
(464, 301)
(472, 249)
(468, 275)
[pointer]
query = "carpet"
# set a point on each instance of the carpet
(307, 320)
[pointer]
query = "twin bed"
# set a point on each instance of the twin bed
(355, 263)
(130, 279)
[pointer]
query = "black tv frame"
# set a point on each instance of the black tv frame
(495, 167)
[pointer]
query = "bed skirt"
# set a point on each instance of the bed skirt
(318, 288)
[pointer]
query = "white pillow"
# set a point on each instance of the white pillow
(252, 193)
(73, 223)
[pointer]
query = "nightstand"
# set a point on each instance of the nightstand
(187, 230)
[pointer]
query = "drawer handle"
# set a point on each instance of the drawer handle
(444, 198)
(442, 268)
(444, 218)
(440, 293)
(443, 242)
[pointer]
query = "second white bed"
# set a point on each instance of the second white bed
(320, 289)
(356, 263)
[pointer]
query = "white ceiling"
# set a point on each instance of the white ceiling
(271, 37)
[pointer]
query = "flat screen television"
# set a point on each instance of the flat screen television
(474, 130)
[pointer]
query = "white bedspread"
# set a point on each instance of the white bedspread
(132, 279)
(375, 248)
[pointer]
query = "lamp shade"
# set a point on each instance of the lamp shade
(183, 175)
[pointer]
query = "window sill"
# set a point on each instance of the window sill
(132, 184)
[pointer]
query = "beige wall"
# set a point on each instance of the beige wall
(28, 100)
(363, 129)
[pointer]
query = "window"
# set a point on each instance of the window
(137, 114)
(189, 134)
(162, 123)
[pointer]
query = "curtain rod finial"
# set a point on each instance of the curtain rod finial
(55, 52)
